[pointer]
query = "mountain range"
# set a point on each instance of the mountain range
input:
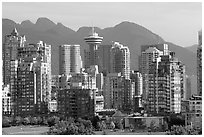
(127, 33)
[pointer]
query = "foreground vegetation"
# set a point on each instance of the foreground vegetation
(55, 125)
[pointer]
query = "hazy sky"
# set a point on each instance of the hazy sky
(174, 22)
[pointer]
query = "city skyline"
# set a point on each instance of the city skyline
(161, 18)
(121, 80)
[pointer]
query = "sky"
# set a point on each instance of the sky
(176, 22)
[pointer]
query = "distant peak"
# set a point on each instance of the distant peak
(43, 20)
(26, 21)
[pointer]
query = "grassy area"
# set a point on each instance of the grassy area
(25, 130)
(40, 130)
(119, 132)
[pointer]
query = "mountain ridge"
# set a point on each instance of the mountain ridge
(127, 33)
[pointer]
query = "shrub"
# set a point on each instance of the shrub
(6, 122)
(33, 121)
(112, 125)
(153, 127)
(26, 121)
(44, 121)
(118, 124)
(71, 128)
(188, 130)
(18, 120)
(51, 121)
(40, 121)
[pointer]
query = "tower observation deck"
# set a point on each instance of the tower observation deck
(93, 40)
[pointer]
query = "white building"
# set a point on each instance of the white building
(52, 106)
(6, 101)
(120, 60)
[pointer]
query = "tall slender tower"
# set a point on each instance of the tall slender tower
(70, 59)
(199, 64)
(91, 56)
(120, 60)
(10, 46)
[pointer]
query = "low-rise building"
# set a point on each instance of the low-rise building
(195, 111)
(99, 103)
(76, 102)
(52, 106)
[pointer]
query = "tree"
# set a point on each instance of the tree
(71, 128)
(26, 121)
(18, 120)
(6, 122)
(51, 121)
(33, 121)
(112, 125)
(39, 119)
(94, 121)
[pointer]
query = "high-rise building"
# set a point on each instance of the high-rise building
(91, 55)
(149, 55)
(164, 80)
(33, 84)
(77, 94)
(76, 102)
(188, 87)
(120, 60)
(118, 92)
(166, 85)
(69, 59)
(199, 64)
(176, 72)
(104, 52)
(136, 77)
(55, 86)
(9, 50)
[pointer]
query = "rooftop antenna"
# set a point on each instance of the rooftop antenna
(92, 30)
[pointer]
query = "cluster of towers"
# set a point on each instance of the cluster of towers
(103, 81)
(26, 74)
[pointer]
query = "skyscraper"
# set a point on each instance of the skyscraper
(9, 50)
(91, 55)
(199, 64)
(163, 80)
(136, 77)
(149, 55)
(118, 92)
(69, 59)
(33, 84)
(120, 60)
(76, 96)
(104, 52)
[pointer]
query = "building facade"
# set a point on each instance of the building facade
(118, 92)
(195, 111)
(164, 78)
(120, 60)
(147, 59)
(9, 53)
(76, 103)
(199, 64)
(104, 52)
(69, 59)
(33, 80)
(6, 101)
(136, 77)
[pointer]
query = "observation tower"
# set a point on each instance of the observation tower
(93, 40)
